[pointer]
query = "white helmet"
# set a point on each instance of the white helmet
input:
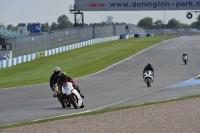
(57, 71)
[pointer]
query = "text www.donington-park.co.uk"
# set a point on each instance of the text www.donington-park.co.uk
(156, 4)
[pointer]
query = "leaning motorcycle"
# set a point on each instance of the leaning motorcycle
(69, 96)
(185, 59)
(148, 77)
(72, 95)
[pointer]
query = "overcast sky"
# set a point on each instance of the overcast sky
(24, 11)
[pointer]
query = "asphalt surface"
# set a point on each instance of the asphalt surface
(119, 85)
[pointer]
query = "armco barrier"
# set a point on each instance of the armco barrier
(140, 35)
(126, 36)
(123, 36)
(129, 36)
(33, 56)
(149, 34)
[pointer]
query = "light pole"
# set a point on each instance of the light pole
(164, 19)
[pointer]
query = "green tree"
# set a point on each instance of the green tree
(173, 23)
(103, 23)
(28, 26)
(146, 23)
(10, 27)
(193, 25)
(198, 21)
(45, 27)
(196, 24)
(63, 22)
(54, 26)
(183, 25)
(158, 24)
(86, 24)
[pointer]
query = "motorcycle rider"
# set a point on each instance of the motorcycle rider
(184, 54)
(149, 67)
(63, 78)
(54, 79)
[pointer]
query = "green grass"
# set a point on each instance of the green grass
(96, 112)
(76, 63)
(198, 77)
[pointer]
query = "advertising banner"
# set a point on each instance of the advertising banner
(40, 54)
(136, 5)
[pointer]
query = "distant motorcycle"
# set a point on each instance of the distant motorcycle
(185, 59)
(69, 96)
(148, 77)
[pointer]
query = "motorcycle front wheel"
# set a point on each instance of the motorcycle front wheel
(63, 103)
(74, 100)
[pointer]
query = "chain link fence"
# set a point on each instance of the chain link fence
(24, 45)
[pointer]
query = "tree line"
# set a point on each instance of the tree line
(148, 23)
(63, 22)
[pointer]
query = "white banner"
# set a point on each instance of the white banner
(136, 5)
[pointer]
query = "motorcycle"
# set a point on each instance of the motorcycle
(185, 59)
(148, 77)
(69, 96)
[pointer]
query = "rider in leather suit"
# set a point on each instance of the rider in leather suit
(148, 67)
(63, 78)
(54, 79)
(184, 54)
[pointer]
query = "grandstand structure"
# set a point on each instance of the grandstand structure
(4, 32)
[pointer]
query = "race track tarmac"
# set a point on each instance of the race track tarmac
(119, 85)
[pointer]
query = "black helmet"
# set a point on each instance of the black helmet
(149, 64)
(57, 71)
(63, 76)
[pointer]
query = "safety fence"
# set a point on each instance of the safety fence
(33, 56)
(24, 45)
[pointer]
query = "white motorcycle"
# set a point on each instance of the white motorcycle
(71, 96)
(185, 59)
(148, 77)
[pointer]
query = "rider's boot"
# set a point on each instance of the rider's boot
(77, 88)
(68, 104)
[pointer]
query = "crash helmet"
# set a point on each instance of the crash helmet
(149, 64)
(184, 53)
(57, 71)
(62, 76)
